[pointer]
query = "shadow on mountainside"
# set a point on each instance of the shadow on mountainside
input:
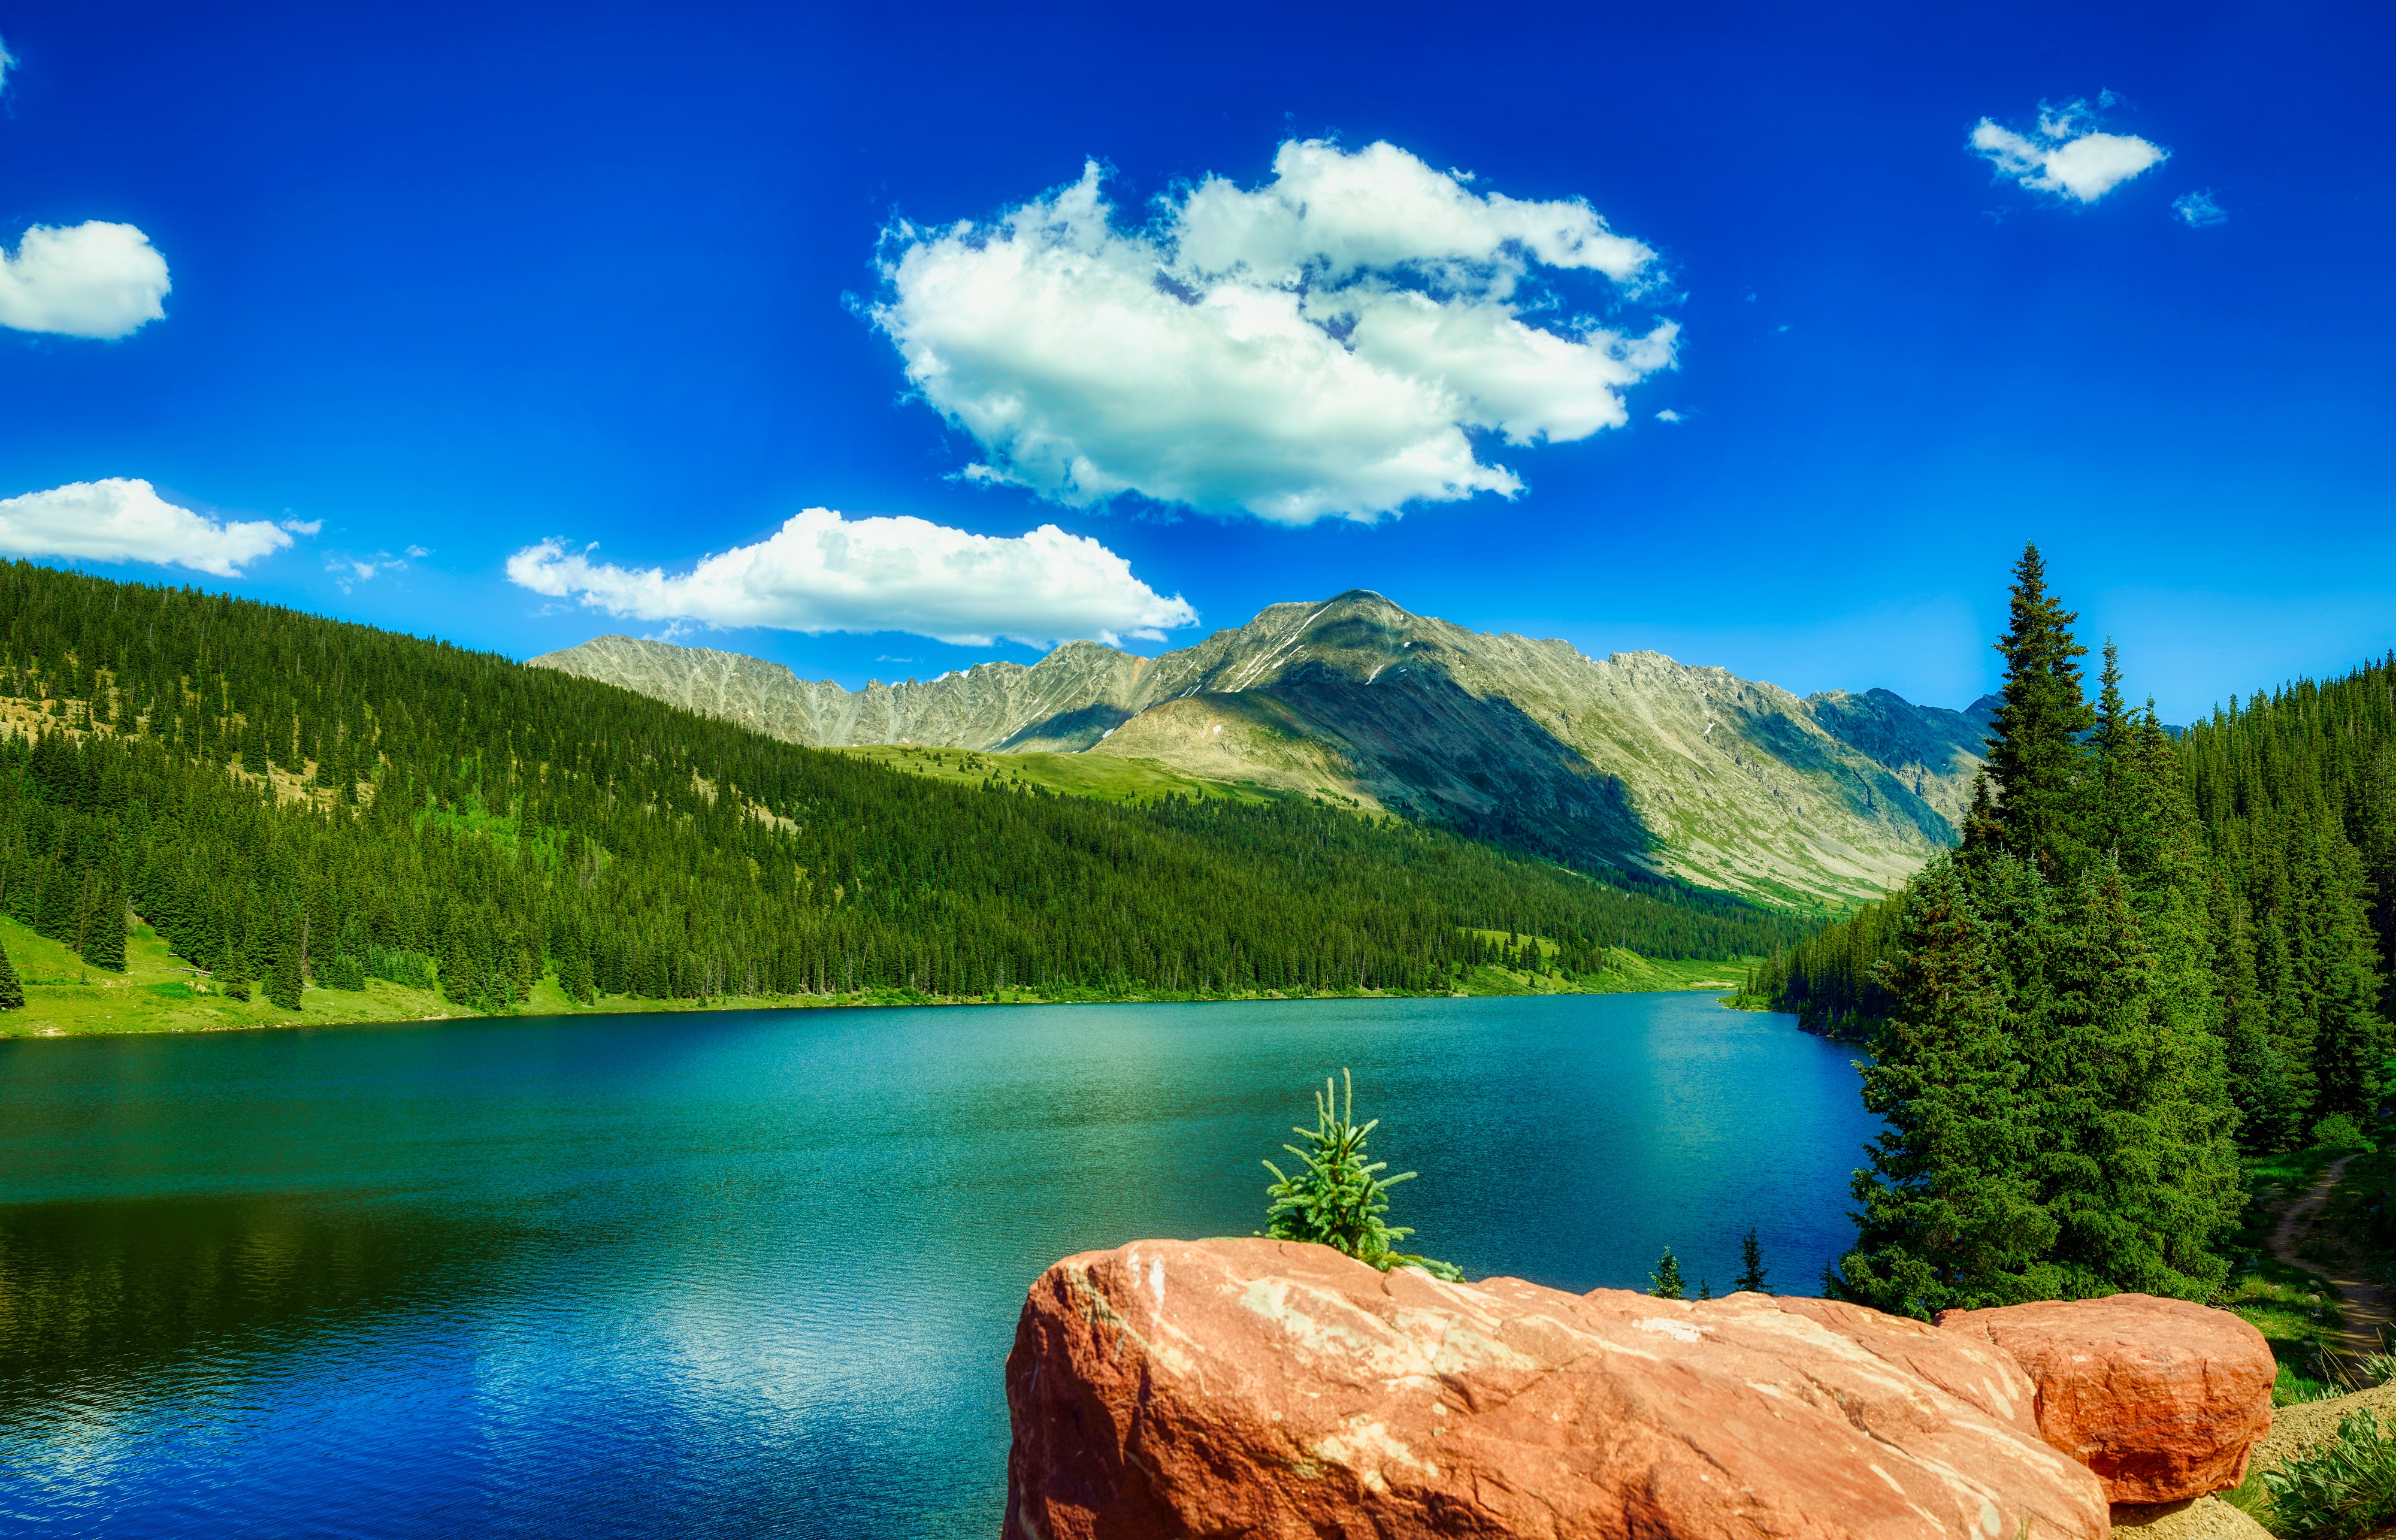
(1427, 746)
(1067, 732)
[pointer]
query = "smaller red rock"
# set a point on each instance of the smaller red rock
(2161, 1398)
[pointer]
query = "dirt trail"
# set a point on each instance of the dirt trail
(2363, 1306)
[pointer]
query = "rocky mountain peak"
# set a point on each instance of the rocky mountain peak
(1635, 761)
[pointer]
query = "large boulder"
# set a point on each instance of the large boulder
(1271, 1389)
(2161, 1398)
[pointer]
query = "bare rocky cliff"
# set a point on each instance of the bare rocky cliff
(1632, 761)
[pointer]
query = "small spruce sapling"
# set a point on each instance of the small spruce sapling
(1752, 1271)
(1667, 1278)
(1338, 1196)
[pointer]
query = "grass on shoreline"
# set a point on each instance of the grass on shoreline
(159, 992)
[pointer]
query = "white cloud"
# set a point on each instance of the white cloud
(1667, 415)
(2198, 210)
(120, 520)
(348, 570)
(821, 572)
(7, 63)
(301, 526)
(1326, 344)
(94, 279)
(2066, 155)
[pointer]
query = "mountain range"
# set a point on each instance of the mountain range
(1632, 762)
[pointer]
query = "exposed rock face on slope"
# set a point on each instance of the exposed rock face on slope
(1268, 1388)
(983, 708)
(1632, 759)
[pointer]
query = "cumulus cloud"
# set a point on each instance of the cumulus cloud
(2198, 210)
(121, 520)
(1667, 415)
(1327, 344)
(7, 63)
(94, 279)
(823, 572)
(2067, 155)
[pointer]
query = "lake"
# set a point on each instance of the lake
(756, 1273)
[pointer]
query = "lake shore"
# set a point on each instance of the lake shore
(160, 993)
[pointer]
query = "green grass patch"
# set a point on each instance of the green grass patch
(1625, 973)
(1104, 778)
(160, 992)
(2340, 1491)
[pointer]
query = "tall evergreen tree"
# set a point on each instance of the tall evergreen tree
(285, 979)
(104, 945)
(2036, 807)
(1948, 1212)
(2133, 1162)
(12, 988)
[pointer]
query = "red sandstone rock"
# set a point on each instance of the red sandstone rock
(1273, 1389)
(2162, 1399)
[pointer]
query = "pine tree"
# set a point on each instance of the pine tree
(12, 990)
(103, 944)
(2035, 756)
(1750, 1277)
(284, 979)
(1666, 1279)
(1948, 1212)
(253, 745)
(2133, 1161)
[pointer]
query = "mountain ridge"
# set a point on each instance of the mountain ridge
(1634, 761)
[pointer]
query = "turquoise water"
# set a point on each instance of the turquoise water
(756, 1273)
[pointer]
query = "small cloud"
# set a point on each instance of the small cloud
(297, 526)
(824, 572)
(415, 553)
(885, 657)
(1667, 415)
(1779, 329)
(94, 279)
(7, 63)
(348, 571)
(2198, 210)
(125, 519)
(2065, 153)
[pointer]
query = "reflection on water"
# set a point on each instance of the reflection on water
(103, 1301)
(757, 1273)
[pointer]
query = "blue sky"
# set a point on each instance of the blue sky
(491, 284)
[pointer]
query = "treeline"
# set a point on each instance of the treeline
(297, 801)
(2144, 953)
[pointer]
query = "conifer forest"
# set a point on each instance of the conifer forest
(2151, 952)
(290, 800)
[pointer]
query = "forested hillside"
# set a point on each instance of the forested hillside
(2295, 795)
(2148, 953)
(297, 801)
